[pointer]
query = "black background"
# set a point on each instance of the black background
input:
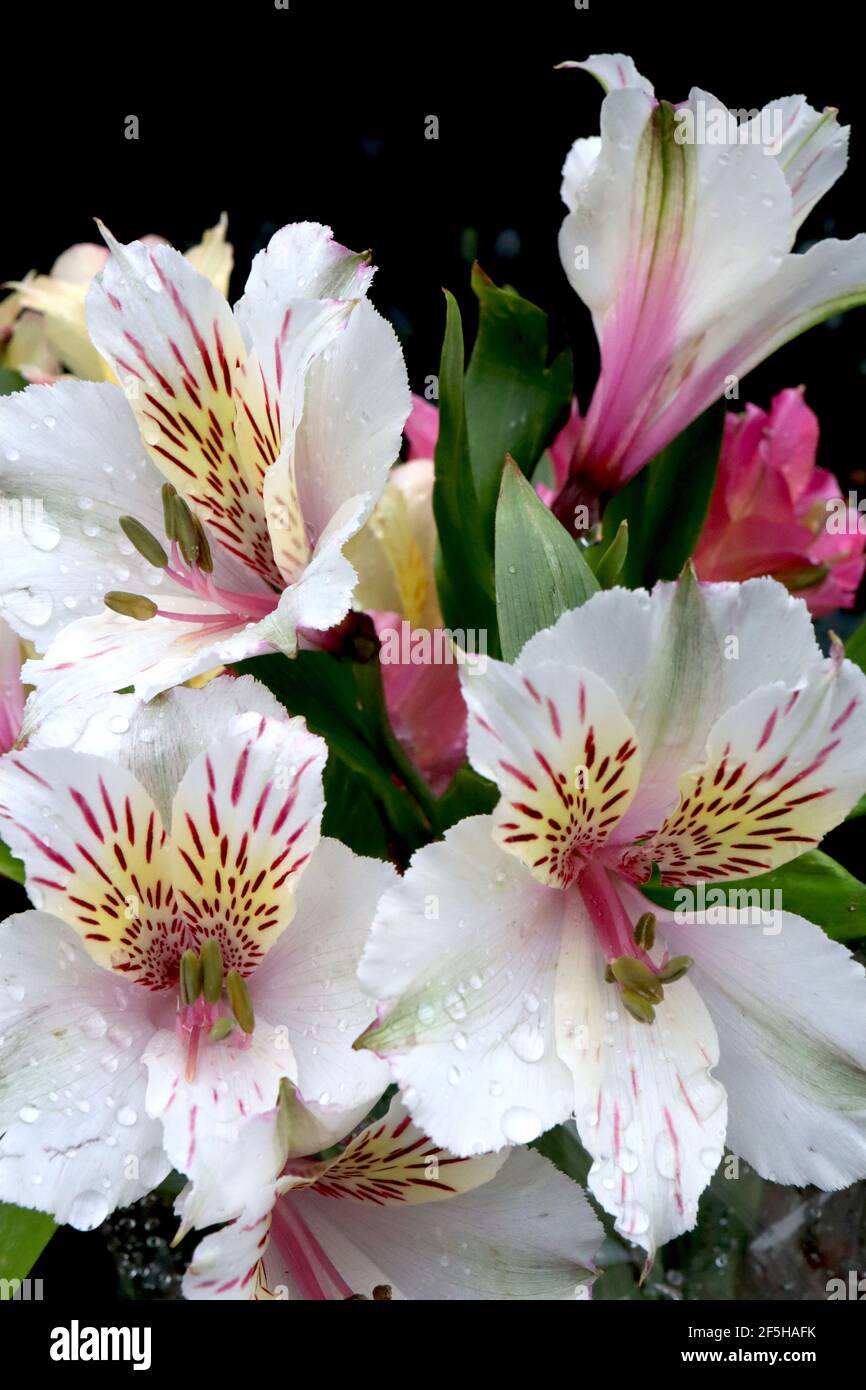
(318, 112)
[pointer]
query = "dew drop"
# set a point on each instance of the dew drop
(520, 1125)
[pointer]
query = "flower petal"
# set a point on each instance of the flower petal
(781, 769)
(205, 1115)
(646, 1105)
(92, 844)
(790, 1008)
(563, 754)
(528, 1233)
(466, 946)
(72, 461)
(310, 985)
(77, 1141)
(343, 453)
(157, 741)
(172, 342)
(811, 147)
(677, 659)
(245, 820)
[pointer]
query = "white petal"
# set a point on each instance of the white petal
(790, 1008)
(159, 740)
(614, 71)
(309, 985)
(466, 944)
(646, 1105)
(555, 740)
(810, 146)
(528, 1233)
(204, 1116)
(77, 1140)
(781, 769)
(577, 167)
(356, 401)
(676, 667)
(110, 652)
(72, 455)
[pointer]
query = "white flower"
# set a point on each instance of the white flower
(192, 962)
(396, 1216)
(698, 729)
(276, 425)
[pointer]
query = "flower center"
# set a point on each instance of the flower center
(211, 1003)
(190, 566)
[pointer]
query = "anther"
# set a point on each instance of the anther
(130, 605)
(212, 970)
(168, 496)
(221, 1029)
(639, 1007)
(675, 969)
(645, 931)
(190, 977)
(239, 998)
(146, 544)
(633, 975)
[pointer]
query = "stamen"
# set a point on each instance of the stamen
(639, 1007)
(168, 496)
(645, 931)
(636, 977)
(675, 969)
(146, 544)
(212, 970)
(239, 999)
(221, 1029)
(190, 977)
(130, 605)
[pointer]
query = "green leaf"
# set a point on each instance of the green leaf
(813, 886)
(352, 813)
(10, 381)
(468, 794)
(607, 561)
(464, 560)
(343, 702)
(666, 503)
(540, 571)
(23, 1237)
(10, 867)
(858, 810)
(515, 396)
(855, 648)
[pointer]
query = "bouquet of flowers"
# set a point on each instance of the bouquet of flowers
(420, 798)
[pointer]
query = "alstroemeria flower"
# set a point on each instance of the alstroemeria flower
(771, 506)
(276, 425)
(48, 328)
(678, 239)
(698, 729)
(396, 1216)
(11, 689)
(192, 958)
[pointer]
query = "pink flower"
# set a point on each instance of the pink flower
(774, 512)
(422, 429)
(11, 689)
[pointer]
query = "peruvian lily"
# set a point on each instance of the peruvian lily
(774, 512)
(679, 240)
(190, 963)
(272, 429)
(523, 975)
(394, 1216)
(50, 334)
